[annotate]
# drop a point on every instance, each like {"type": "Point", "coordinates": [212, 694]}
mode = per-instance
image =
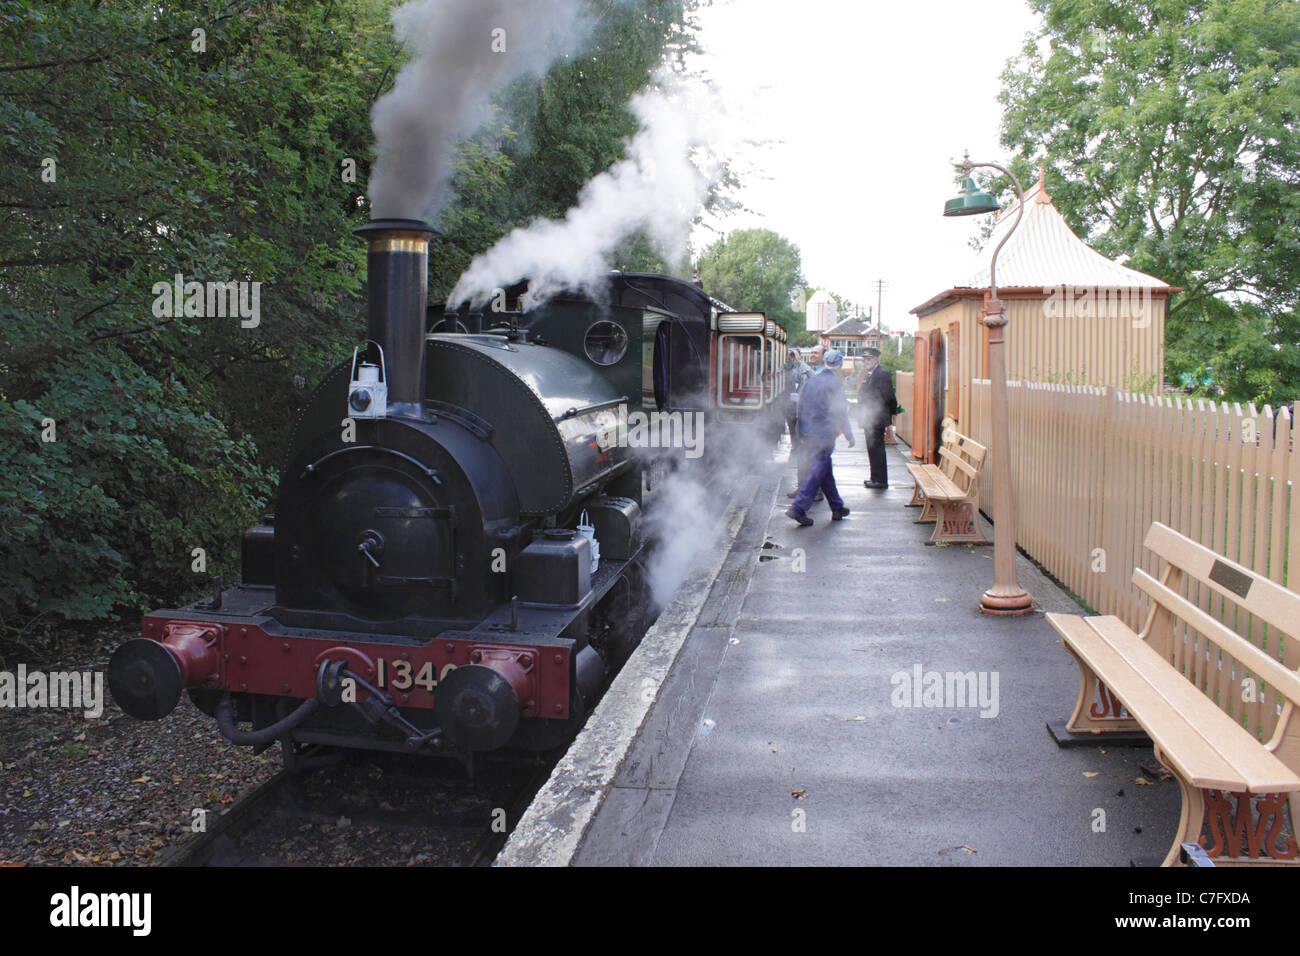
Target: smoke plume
{"type": "Point", "coordinates": [658, 187]}
{"type": "Point", "coordinates": [465, 50]}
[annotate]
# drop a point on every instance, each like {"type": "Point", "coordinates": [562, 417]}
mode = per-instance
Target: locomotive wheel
{"type": "Point", "coordinates": [621, 617]}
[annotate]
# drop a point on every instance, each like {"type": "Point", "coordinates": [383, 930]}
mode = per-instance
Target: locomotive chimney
{"type": "Point", "coordinates": [397, 279]}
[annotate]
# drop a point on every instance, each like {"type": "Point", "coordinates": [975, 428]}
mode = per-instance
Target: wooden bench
{"type": "Point", "coordinates": [916, 469]}
{"type": "Point", "coordinates": [1221, 710]}
{"type": "Point", "coordinates": [949, 492]}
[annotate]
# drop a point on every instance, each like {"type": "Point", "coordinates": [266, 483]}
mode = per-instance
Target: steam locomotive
{"type": "Point", "coordinates": [455, 562]}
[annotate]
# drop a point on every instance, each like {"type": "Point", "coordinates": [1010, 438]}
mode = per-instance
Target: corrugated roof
{"type": "Point", "coordinates": [1044, 252]}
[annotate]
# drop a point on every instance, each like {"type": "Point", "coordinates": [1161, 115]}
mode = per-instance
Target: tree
{"type": "Point", "coordinates": [140, 143]}
{"type": "Point", "coordinates": [549, 138]}
{"type": "Point", "coordinates": [756, 270]}
{"type": "Point", "coordinates": [222, 140]}
{"type": "Point", "coordinates": [1173, 131]}
{"type": "Point", "coordinates": [895, 359]}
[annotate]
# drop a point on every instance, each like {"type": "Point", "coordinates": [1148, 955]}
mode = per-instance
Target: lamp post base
{"type": "Point", "coordinates": [1005, 602]}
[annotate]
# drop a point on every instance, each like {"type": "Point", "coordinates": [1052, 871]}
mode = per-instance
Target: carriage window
{"type": "Point", "coordinates": [739, 371]}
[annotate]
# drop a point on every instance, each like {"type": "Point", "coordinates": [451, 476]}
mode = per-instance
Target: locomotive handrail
{"type": "Point", "coordinates": [383, 363]}
{"type": "Point", "coordinates": [481, 428]}
{"type": "Point", "coordinates": [429, 472]}
{"type": "Point", "coordinates": [575, 411]}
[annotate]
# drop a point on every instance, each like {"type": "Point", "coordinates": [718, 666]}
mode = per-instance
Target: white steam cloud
{"type": "Point", "coordinates": [465, 50]}
{"type": "Point", "coordinates": [685, 510]}
{"type": "Point", "coordinates": [658, 187]}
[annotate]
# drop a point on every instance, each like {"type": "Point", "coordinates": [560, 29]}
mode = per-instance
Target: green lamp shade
{"type": "Point", "coordinates": [971, 202]}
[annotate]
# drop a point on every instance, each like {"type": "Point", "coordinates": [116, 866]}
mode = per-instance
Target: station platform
{"type": "Point", "coordinates": [774, 717]}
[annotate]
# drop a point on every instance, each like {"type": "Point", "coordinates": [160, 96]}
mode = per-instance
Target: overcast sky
{"type": "Point", "coordinates": [865, 105]}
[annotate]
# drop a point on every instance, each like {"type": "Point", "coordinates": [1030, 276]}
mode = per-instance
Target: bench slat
{"type": "Point", "coordinates": [1271, 670]}
{"type": "Point", "coordinates": [973, 448]}
{"type": "Point", "coordinates": [1266, 599]}
{"type": "Point", "coordinates": [960, 463]}
{"type": "Point", "coordinates": [947, 491]}
{"type": "Point", "coordinates": [932, 480]}
{"type": "Point", "coordinates": [1194, 758]}
{"type": "Point", "coordinates": [1255, 767]}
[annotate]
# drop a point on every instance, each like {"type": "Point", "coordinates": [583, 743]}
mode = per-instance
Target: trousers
{"type": "Point", "coordinates": [875, 442]}
{"type": "Point", "coordinates": [819, 476]}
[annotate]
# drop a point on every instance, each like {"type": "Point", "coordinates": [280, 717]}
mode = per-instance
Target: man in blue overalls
{"type": "Point", "coordinates": [823, 415]}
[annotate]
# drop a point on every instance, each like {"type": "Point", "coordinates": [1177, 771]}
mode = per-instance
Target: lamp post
{"type": "Point", "coordinates": [1006, 596]}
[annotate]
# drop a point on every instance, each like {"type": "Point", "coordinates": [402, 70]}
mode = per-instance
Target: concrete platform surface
{"type": "Point", "coordinates": [839, 700]}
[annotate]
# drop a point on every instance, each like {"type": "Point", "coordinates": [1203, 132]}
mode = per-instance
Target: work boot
{"type": "Point", "coordinates": [837, 514]}
{"type": "Point", "coordinates": [799, 516]}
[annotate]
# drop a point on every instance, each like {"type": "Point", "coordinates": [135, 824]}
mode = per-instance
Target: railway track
{"type": "Point", "coordinates": [383, 810]}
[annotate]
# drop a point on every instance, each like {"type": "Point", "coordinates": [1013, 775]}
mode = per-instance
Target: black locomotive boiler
{"type": "Point", "coordinates": [455, 559]}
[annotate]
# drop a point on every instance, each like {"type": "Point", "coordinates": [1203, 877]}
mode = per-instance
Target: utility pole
{"type": "Point", "coordinates": [880, 288]}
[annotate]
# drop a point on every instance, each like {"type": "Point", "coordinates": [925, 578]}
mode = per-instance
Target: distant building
{"type": "Point", "coordinates": [850, 337]}
{"type": "Point", "coordinates": [822, 311]}
{"type": "Point", "coordinates": [1074, 317]}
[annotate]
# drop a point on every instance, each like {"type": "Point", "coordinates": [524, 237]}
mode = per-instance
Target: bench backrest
{"type": "Point", "coordinates": [950, 436]}
{"type": "Point", "coordinates": [961, 460]}
{"type": "Point", "coordinates": [1254, 680]}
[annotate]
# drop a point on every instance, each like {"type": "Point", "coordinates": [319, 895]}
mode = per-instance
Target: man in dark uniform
{"type": "Point", "coordinates": [823, 415]}
{"type": "Point", "coordinates": [876, 404]}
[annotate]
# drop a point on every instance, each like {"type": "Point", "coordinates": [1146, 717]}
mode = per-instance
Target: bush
{"type": "Point", "coordinates": [104, 517]}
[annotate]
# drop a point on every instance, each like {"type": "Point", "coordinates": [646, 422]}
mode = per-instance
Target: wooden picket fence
{"type": "Point", "coordinates": [1093, 467]}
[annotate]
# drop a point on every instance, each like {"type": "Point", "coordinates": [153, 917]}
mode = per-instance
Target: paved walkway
{"type": "Point", "coordinates": [788, 732]}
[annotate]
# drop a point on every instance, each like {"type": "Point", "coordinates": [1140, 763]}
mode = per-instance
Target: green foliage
{"type": "Point", "coordinates": [135, 150]}
{"type": "Point", "coordinates": [572, 125]}
{"type": "Point", "coordinates": [548, 139]}
{"type": "Point", "coordinates": [898, 361]}
{"type": "Point", "coordinates": [756, 270]}
{"type": "Point", "coordinates": [1172, 129]}
{"type": "Point", "coordinates": [219, 160]}
{"type": "Point", "coordinates": [136, 476]}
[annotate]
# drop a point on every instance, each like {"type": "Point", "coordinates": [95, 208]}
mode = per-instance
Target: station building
{"type": "Point", "coordinates": [851, 336]}
{"type": "Point", "coordinates": [1074, 317]}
